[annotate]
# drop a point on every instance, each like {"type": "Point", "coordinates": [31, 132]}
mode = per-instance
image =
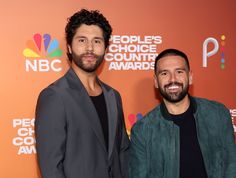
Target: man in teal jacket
{"type": "Point", "coordinates": [184, 136]}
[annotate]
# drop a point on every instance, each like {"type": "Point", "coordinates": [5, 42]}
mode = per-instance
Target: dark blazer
{"type": "Point", "coordinates": [69, 137]}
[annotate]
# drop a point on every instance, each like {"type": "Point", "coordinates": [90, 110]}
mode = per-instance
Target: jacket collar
{"type": "Point", "coordinates": [86, 104]}
{"type": "Point", "coordinates": [167, 115]}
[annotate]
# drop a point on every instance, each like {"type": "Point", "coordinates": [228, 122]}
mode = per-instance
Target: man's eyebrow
{"type": "Point", "coordinates": [181, 68]}
{"type": "Point", "coordinates": [100, 38]}
{"type": "Point", "coordinates": [163, 70]}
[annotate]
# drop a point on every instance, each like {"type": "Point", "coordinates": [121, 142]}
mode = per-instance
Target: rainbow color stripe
{"type": "Point", "coordinates": [222, 60]}
{"type": "Point", "coordinates": [34, 47]}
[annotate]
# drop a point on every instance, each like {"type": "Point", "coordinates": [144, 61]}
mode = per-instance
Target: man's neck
{"type": "Point", "coordinates": [179, 107]}
{"type": "Point", "coordinates": [89, 80]}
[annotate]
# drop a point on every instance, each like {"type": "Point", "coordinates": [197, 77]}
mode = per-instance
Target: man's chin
{"type": "Point", "coordinates": [173, 97]}
{"type": "Point", "coordinates": [89, 70]}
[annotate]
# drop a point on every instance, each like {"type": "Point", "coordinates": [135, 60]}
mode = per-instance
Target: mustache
{"type": "Point", "coordinates": [173, 83]}
{"type": "Point", "coordinates": [89, 54]}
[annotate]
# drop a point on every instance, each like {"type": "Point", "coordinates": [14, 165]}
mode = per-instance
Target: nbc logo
{"type": "Point", "coordinates": [217, 45]}
{"type": "Point", "coordinates": [37, 52]}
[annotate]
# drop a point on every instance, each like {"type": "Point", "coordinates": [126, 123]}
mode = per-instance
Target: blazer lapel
{"type": "Point", "coordinates": [112, 116]}
{"type": "Point", "coordinates": [84, 101]}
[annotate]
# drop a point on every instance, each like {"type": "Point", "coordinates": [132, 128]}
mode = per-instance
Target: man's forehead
{"type": "Point", "coordinates": [171, 59]}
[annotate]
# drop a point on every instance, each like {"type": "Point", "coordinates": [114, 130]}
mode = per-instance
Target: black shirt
{"type": "Point", "coordinates": [191, 160]}
{"type": "Point", "coordinates": [100, 105]}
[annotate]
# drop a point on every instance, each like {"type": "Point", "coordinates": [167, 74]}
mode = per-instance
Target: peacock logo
{"type": "Point", "coordinates": [34, 48]}
{"type": "Point", "coordinates": [42, 53]}
{"type": "Point", "coordinates": [134, 118]}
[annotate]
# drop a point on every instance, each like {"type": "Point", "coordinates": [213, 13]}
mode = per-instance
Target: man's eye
{"type": "Point", "coordinates": [81, 40]}
{"type": "Point", "coordinates": [180, 71]}
{"type": "Point", "coordinates": [98, 41]}
{"type": "Point", "coordinates": [163, 73]}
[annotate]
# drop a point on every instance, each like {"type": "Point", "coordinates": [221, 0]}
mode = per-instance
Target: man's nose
{"type": "Point", "coordinates": [89, 46]}
{"type": "Point", "coordinates": [173, 77]}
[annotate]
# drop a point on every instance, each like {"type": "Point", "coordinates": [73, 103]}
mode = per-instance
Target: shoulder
{"type": "Point", "coordinates": [149, 120]}
{"type": "Point", "coordinates": [205, 104]}
{"type": "Point", "coordinates": [60, 83]}
{"type": "Point", "coordinates": [141, 131]}
{"type": "Point", "coordinates": [212, 112]}
{"type": "Point", "coordinates": [57, 85]}
{"type": "Point", "coordinates": [108, 88]}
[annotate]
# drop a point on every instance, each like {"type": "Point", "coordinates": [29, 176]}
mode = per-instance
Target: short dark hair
{"type": "Point", "coordinates": [171, 52]}
{"type": "Point", "coordinates": [93, 17]}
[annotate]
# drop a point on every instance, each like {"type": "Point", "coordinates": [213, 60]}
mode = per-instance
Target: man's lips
{"type": "Point", "coordinates": [89, 57]}
{"type": "Point", "coordinates": [173, 87]}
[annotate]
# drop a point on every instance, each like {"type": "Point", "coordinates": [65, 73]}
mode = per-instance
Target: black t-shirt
{"type": "Point", "coordinates": [191, 160]}
{"type": "Point", "coordinates": [100, 105]}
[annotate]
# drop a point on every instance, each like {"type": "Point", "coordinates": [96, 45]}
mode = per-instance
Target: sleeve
{"type": "Point", "coordinates": [229, 146]}
{"type": "Point", "coordinates": [138, 164]}
{"type": "Point", "coordinates": [124, 141]}
{"type": "Point", "coordinates": [50, 133]}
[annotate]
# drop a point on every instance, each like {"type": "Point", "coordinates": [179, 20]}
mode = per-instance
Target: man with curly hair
{"type": "Point", "coordinates": [80, 130]}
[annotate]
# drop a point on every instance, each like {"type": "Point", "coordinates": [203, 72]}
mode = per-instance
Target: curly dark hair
{"type": "Point", "coordinates": [93, 17]}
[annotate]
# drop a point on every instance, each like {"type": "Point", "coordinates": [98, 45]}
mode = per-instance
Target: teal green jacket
{"type": "Point", "coordinates": [155, 144]}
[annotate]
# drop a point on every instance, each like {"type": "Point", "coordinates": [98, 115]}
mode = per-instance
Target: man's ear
{"type": "Point", "coordinates": [155, 81]}
{"type": "Point", "coordinates": [69, 49]}
{"type": "Point", "coordinates": [106, 50]}
{"type": "Point", "coordinates": [190, 77]}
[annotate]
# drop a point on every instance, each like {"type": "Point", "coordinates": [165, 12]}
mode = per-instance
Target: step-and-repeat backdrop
{"type": "Point", "coordinates": [33, 54]}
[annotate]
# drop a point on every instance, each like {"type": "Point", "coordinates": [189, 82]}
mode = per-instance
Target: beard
{"type": "Point", "coordinates": [78, 60]}
{"type": "Point", "coordinates": [174, 97]}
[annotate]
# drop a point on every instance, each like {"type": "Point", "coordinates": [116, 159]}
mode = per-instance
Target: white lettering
{"type": "Point", "coordinates": [26, 150]}
{"type": "Point", "coordinates": [132, 52]}
{"type": "Point", "coordinates": [29, 65]}
{"type": "Point", "coordinates": [25, 132]}
{"type": "Point", "coordinates": [53, 67]}
{"type": "Point", "coordinates": [131, 66]}
{"type": "Point", "coordinates": [42, 65]}
{"type": "Point", "coordinates": [18, 141]}
{"type": "Point", "coordinates": [206, 53]}
{"type": "Point", "coordinates": [26, 122]}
